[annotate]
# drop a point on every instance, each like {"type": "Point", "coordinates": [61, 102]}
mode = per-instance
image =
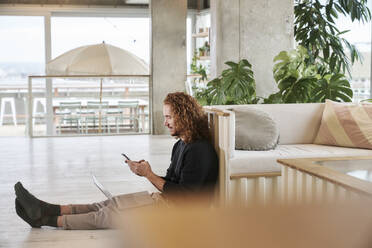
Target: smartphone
{"type": "Point", "coordinates": [125, 156]}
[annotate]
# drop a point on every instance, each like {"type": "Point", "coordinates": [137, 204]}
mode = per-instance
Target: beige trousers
{"type": "Point", "coordinates": [99, 215]}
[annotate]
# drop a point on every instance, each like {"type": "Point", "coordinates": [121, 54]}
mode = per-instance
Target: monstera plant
{"type": "Point", "coordinates": [299, 82]}
{"type": "Point", "coordinates": [334, 87]}
{"type": "Point", "coordinates": [236, 85]}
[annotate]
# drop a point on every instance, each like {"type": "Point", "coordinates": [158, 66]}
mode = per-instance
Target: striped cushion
{"type": "Point", "coordinates": [347, 125]}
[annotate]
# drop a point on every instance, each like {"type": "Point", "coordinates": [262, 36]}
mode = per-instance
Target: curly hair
{"type": "Point", "coordinates": [189, 117]}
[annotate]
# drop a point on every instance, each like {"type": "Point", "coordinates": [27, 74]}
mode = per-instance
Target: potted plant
{"type": "Point", "coordinates": [207, 48]}
{"type": "Point", "coordinates": [236, 85]}
{"type": "Point", "coordinates": [198, 69]}
{"type": "Point", "coordinates": [299, 82]}
{"type": "Point", "coordinates": [202, 51]}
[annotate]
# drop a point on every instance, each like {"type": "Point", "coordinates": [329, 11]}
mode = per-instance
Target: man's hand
{"type": "Point", "coordinates": [141, 168]}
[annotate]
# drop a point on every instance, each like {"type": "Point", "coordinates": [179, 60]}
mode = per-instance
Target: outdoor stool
{"type": "Point", "coordinates": [11, 101]}
{"type": "Point", "coordinates": [35, 113]}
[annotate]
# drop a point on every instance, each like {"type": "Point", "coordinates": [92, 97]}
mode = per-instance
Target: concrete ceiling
{"type": "Point", "coordinates": [192, 4]}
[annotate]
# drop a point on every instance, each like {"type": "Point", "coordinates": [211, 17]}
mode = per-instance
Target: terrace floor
{"type": "Point", "coordinates": [40, 130]}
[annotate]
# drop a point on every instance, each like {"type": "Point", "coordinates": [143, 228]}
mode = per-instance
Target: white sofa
{"type": "Point", "coordinates": [248, 176]}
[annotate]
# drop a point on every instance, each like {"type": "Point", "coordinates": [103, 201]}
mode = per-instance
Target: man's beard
{"type": "Point", "coordinates": [176, 132]}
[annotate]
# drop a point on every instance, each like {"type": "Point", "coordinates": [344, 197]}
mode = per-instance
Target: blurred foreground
{"type": "Point", "coordinates": [347, 224]}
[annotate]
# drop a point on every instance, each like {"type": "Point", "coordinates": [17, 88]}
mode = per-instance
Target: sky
{"type": "Point", "coordinates": [131, 34]}
{"type": "Point", "coordinates": [22, 38]}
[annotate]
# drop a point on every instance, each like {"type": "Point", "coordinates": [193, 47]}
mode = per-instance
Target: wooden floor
{"type": "Point", "coordinates": [58, 170]}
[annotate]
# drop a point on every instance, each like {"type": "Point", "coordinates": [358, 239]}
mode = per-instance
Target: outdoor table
{"type": "Point", "coordinates": [112, 102]}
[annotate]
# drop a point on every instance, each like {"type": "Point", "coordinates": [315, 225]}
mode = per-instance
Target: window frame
{"type": "Point", "coordinates": [72, 11]}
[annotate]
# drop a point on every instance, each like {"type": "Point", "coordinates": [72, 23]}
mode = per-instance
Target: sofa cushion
{"type": "Point", "coordinates": [304, 119]}
{"type": "Point", "coordinates": [255, 130]}
{"type": "Point", "coordinates": [348, 125]}
{"type": "Point", "coordinates": [265, 161]}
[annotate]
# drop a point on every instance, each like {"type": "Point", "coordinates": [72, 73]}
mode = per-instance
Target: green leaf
{"type": "Point", "coordinates": [283, 55]}
{"type": "Point", "coordinates": [334, 87]}
{"type": "Point", "coordinates": [231, 64]}
{"type": "Point", "coordinates": [274, 98]}
{"type": "Point", "coordinates": [326, 52]}
{"type": "Point", "coordinates": [245, 63]}
{"type": "Point", "coordinates": [236, 85]}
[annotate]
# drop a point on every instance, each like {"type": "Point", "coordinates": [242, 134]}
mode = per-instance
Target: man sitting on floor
{"type": "Point", "coordinates": [193, 171]}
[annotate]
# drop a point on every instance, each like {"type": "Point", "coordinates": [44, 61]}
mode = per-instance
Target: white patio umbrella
{"type": "Point", "coordinates": [98, 60]}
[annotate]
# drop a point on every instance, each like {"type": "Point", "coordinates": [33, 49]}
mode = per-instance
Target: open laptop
{"type": "Point", "coordinates": [132, 200]}
{"type": "Point", "coordinates": [103, 190]}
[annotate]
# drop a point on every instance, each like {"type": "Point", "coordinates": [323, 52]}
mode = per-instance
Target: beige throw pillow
{"type": "Point", "coordinates": [254, 130]}
{"type": "Point", "coordinates": [348, 125]}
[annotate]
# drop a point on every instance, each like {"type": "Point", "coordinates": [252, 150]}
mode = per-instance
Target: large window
{"type": "Point", "coordinates": [360, 36]}
{"type": "Point", "coordinates": [22, 53]}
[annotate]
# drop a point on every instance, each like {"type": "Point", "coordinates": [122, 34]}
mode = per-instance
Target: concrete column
{"type": "Point", "coordinates": [48, 81]}
{"type": "Point", "coordinates": [251, 29]}
{"type": "Point", "coordinates": [168, 50]}
{"type": "Point", "coordinates": [224, 34]}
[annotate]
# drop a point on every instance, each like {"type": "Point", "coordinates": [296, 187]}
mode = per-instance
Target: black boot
{"type": "Point", "coordinates": [44, 221]}
{"type": "Point", "coordinates": [34, 207]}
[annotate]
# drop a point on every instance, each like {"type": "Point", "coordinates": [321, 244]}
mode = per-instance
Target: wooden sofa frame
{"type": "Point", "coordinates": [243, 188]}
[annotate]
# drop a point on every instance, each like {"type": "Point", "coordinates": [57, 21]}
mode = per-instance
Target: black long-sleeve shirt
{"type": "Point", "coordinates": [193, 168]}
